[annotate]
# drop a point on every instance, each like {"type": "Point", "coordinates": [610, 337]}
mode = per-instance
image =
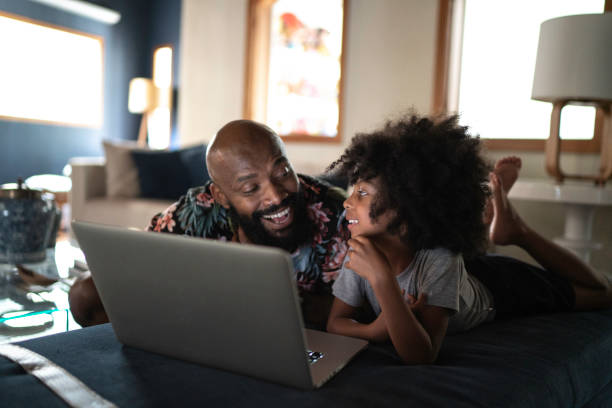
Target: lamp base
{"type": "Point", "coordinates": [143, 131]}
{"type": "Point", "coordinates": [553, 147]}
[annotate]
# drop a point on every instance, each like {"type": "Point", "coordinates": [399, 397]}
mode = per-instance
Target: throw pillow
{"type": "Point", "coordinates": [121, 172]}
{"type": "Point", "coordinates": [167, 174]}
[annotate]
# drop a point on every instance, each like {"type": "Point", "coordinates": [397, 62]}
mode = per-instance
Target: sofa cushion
{"type": "Point", "coordinates": [166, 174]}
{"type": "Point", "coordinates": [122, 212]}
{"type": "Point", "coordinates": [121, 172]}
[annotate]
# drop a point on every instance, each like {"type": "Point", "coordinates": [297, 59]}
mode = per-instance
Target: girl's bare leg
{"type": "Point", "coordinates": [508, 228]}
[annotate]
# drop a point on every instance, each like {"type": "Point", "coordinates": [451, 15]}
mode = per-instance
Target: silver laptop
{"type": "Point", "coordinates": [224, 305]}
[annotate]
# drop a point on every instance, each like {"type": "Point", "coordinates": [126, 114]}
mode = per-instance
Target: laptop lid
{"type": "Point", "coordinates": [224, 305]}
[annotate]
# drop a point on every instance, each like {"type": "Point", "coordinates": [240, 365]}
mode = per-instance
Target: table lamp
{"type": "Point", "coordinates": [574, 66]}
{"type": "Point", "coordinates": [141, 99]}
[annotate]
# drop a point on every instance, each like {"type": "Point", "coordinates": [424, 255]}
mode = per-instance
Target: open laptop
{"type": "Point", "coordinates": [223, 305]}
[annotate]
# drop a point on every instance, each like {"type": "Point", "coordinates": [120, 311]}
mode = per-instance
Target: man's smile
{"type": "Point", "coordinates": [279, 219]}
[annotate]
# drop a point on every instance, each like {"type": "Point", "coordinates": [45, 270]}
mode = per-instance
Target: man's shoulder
{"type": "Point", "coordinates": [320, 259]}
{"type": "Point", "coordinates": [196, 213]}
{"type": "Point", "coordinates": [325, 204]}
{"type": "Point", "coordinates": [317, 189]}
{"type": "Point", "coordinates": [199, 194]}
{"type": "Point", "coordinates": [199, 197]}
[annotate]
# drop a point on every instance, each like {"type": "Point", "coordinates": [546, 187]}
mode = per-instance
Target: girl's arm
{"type": "Point", "coordinates": [416, 341]}
{"type": "Point", "coordinates": [341, 321]}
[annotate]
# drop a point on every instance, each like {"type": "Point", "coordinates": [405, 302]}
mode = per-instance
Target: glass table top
{"type": "Point", "coordinates": [34, 297]}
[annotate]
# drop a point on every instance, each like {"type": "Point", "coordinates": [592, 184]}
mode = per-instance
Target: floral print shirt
{"type": "Point", "coordinates": [316, 263]}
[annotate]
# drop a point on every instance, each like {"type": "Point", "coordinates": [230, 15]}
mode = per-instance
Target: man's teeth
{"type": "Point", "coordinates": [353, 221]}
{"type": "Point", "coordinates": [277, 215]}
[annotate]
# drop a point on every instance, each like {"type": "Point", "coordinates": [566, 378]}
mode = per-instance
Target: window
{"type": "Point", "coordinates": [486, 60]}
{"type": "Point", "coordinates": [294, 67]}
{"type": "Point", "coordinates": [49, 74]}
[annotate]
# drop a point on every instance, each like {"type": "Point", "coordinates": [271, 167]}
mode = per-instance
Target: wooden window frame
{"type": "Point", "coordinates": [441, 88]}
{"type": "Point", "coordinates": [256, 74]}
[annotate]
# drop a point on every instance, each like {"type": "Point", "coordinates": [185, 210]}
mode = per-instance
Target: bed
{"type": "Point", "coordinates": [555, 360]}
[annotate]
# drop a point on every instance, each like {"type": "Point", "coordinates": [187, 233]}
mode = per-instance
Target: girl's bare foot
{"type": "Point", "coordinates": [507, 169]}
{"type": "Point", "coordinates": [487, 214]}
{"type": "Point", "coordinates": [506, 228]}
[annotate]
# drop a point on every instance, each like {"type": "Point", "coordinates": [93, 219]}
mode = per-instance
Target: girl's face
{"type": "Point", "coordinates": [358, 206]}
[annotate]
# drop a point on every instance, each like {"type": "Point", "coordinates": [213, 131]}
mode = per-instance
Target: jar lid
{"type": "Point", "coordinates": [19, 190]}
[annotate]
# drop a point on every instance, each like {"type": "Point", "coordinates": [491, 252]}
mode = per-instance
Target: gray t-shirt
{"type": "Point", "coordinates": [438, 273]}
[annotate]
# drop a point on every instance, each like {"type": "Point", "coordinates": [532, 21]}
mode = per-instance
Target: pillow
{"type": "Point", "coordinates": [121, 172]}
{"type": "Point", "coordinates": [169, 174]}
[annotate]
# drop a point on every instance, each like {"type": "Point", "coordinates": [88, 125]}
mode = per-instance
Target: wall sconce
{"type": "Point", "coordinates": [574, 66]}
{"type": "Point", "coordinates": [153, 99]}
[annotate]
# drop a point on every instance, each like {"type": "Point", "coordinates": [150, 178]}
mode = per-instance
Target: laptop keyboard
{"type": "Point", "coordinates": [313, 356]}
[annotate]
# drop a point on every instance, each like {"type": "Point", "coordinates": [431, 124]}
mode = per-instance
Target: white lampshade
{"type": "Point", "coordinates": [574, 61]}
{"type": "Point", "coordinates": [141, 96]}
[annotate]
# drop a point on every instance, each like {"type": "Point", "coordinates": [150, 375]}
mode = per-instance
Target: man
{"type": "Point", "coordinates": [254, 197]}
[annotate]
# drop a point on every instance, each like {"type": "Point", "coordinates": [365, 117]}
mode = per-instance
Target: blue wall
{"type": "Point", "coordinates": [29, 148]}
{"type": "Point", "coordinates": [165, 20]}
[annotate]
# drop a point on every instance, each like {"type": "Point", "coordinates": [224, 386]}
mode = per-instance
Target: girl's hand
{"type": "Point", "coordinates": [366, 260]}
{"type": "Point", "coordinates": [415, 304]}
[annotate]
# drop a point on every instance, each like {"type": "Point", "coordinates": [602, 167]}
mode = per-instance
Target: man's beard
{"type": "Point", "coordinates": [300, 230]}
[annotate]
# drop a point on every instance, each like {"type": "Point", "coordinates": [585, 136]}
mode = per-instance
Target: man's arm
{"type": "Point", "coordinates": [85, 304]}
{"type": "Point", "coordinates": [83, 298]}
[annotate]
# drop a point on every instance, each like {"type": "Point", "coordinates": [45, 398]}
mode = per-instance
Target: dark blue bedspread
{"type": "Point", "coordinates": [561, 360]}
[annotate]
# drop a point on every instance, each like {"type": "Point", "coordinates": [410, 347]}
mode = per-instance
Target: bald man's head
{"type": "Point", "coordinates": [253, 179]}
{"type": "Point", "coordinates": [240, 139]}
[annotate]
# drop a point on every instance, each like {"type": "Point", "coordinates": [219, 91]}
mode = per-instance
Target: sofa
{"type": "Point", "coordinates": [132, 182]}
{"type": "Point", "coordinates": [89, 200]}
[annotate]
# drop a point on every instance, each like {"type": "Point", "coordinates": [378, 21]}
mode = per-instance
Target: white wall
{"type": "Point", "coordinates": [213, 41]}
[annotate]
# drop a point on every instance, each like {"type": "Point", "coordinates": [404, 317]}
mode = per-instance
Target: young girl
{"type": "Point", "coordinates": [420, 190]}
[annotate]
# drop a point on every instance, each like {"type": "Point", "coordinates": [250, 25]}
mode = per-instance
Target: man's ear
{"type": "Point", "coordinates": [218, 195]}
